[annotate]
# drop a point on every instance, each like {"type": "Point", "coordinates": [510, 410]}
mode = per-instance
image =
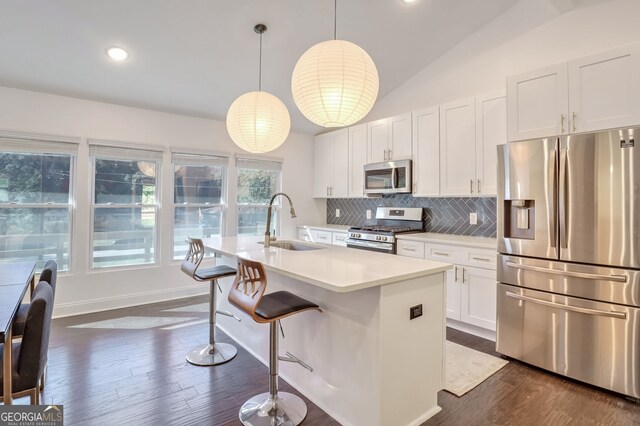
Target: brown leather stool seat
{"type": "Point", "coordinates": [281, 304]}
{"type": "Point", "coordinates": [214, 273]}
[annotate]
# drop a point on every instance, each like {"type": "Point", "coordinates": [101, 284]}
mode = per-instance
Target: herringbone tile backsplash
{"type": "Point", "coordinates": [444, 215]}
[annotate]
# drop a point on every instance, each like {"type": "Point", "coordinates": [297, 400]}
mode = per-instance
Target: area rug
{"type": "Point", "coordinates": [466, 368]}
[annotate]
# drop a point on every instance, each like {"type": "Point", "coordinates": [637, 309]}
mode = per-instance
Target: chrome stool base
{"type": "Point", "coordinates": [287, 410]}
{"type": "Point", "coordinates": [212, 354]}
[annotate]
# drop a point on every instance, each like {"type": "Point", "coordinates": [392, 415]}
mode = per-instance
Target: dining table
{"type": "Point", "coordinates": [15, 279]}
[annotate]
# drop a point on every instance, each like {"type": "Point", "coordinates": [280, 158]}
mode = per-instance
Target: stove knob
{"type": "Point", "coordinates": [384, 238]}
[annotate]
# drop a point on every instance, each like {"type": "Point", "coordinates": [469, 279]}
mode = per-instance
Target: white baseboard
{"type": "Point", "coordinates": [472, 329]}
{"type": "Point", "coordinates": [97, 305]}
{"type": "Point", "coordinates": [426, 416]}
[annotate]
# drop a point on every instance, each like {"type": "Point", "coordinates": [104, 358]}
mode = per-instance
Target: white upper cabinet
{"type": "Point", "coordinates": [331, 164]}
{"type": "Point", "coordinates": [426, 152]}
{"type": "Point", "coordinates": [389, 139]}
{"type": "Point", "coordinates": [593, 93]}
{"type": "Point", "coordinates": [457, 148]}
{"type": "Point", "coordinates": [357, 159]}
{"type": "Point", "coordinates": [604, 90]}
{"type": "Point", "coordinates": [537, 103]}
{"type": "Point", "coordinates": [491, 131]}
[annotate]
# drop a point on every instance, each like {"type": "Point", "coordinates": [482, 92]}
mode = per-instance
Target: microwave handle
{"type": "Point", "coordinates": [394, 177]}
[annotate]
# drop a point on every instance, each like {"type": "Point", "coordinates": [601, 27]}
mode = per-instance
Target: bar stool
{"type": "Point", "coordinates": [213, 353]}
{"type": "Point", "coordinates": [247, 294]}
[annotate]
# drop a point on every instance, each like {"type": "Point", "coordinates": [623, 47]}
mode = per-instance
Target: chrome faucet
{"type": "Point", "coordinates": [267, 234]}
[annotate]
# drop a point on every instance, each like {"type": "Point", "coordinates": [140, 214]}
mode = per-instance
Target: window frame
{"type": "Point", "coordinates": [224, 205]}
{"type": "Point", "coordinates": [144, 151]}
{"type": "Point", "coordinates": [53, 146]}
{"type": "Point", "coordinates": [268, 164]}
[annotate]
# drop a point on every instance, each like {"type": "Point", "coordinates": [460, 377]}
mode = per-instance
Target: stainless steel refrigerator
{"type": "Point", "coordinates": [569, 262]}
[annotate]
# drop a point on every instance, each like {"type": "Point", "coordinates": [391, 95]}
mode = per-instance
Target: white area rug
{"type": "Point", "coordinates": [466, 368]}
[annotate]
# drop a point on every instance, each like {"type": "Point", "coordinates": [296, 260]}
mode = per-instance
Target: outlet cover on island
{"type": "Point", "coordinates": [368, 214]}
{"type": "Point", "coordinates": [337, 212]}
{"type": "Point", "coordinates": [473, 218]}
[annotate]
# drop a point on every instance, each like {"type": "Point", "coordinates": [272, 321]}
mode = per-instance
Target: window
{"type": "Point", "coordinates": [258, 180]}
{"type": "Point", "coordinates": [199, 198]}
{"type": "Point", "coordinates": [36, 201]}
{"type": "Point", "coordinates": [124, 205]}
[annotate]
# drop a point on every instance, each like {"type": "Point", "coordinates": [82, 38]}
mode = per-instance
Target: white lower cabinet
{"type": "Point", "coordinates": [339, 238]}
{"type": "Point", "coordinates": [471, 284]}
{"type": "Point", "coordinates": [323, 236]}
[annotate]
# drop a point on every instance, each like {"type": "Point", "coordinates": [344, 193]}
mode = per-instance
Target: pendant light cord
{"type": "Point", "coordinates": [335, 18]}
{"type": "Point", "coordinates": [260, 67]}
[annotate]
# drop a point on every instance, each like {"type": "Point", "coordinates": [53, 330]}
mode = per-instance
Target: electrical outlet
{"type": "Point", "coordinates": [473, 218]}
{"type": "Point", "coordinates": [368, 214]}
{"type": "Point", "coordinates": [415, 312]}
{"type": "Point", "coordinates": [337, 212]}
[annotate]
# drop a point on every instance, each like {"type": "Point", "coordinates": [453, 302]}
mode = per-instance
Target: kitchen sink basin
{"type": "Point", "coordinates": [293, 245]}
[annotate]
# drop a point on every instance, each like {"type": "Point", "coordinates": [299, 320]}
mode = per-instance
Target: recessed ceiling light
{"type": "Point", "coordinates": [408, 1]}
{"type": "Point", "coordinates": [117, 53]}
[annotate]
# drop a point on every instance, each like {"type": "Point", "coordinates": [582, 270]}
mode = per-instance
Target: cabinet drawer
{"type": "Point", "coordinates": [441, 253]}
{"type": "Point", "coordinates": [481, 258]}
{"type": "Point", "coordinates": [339, 238]}
{"type": "Point", "coordinates": [411, 249]}
{"type": "Point", "coordinates": [321, 237]}
{"type": "Point", "coordinates": [304, 234]}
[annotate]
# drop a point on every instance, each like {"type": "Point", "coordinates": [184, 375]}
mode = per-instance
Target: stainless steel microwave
{"type": "Point", "coordinates": [390, 177]}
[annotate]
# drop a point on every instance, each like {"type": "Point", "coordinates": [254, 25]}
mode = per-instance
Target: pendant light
{"type": "Point", "coordinates": [258, 122]}
{"type": "Point", "coordinates": [335, 83]}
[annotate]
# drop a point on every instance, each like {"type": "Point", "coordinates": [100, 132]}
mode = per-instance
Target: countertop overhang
{"type": "Point", "coordinates": [334, 268]}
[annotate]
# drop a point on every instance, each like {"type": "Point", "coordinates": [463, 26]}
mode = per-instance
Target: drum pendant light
{"type": "Point", "coordinates": [335, 83]}
{"type": "Point", "coordinates": [258, 122]}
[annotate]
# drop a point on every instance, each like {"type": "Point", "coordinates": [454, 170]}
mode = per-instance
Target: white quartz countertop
{"type": "Point", "coordinates": [326, 227]}
{"type": "Point", "coordinates": [462, 240]}
{"type": "Point", "coordinates": [332, 267]}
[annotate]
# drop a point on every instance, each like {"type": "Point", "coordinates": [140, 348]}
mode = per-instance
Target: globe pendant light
{"type": "Point", "coordinates": [258, 122]}
{"type": "Point", "coordinates": [335, 83]}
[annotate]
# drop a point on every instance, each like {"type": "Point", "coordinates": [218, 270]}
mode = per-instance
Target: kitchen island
{"type": "Point", "coordinates": [372, 364]}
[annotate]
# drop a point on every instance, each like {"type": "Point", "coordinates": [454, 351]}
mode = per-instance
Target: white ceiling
{"type": "Point", "coordinates": [195, 57]}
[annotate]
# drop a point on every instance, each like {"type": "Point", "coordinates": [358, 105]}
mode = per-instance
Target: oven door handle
{"type": "Point", "coordinates": [616, 278]}
{"type": "Point", "coordinates": [370, 244]}
{"type": "Point", "coordinates": [611, 314]}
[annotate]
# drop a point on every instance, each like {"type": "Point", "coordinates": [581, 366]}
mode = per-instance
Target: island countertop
{"type": "Point", "coordinates": [334, 268]}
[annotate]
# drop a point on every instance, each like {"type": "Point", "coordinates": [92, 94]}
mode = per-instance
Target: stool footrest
{"type": "Point", "coordinates": [289, 357]}
{"type": "Point", "coordinates": [228, 314]}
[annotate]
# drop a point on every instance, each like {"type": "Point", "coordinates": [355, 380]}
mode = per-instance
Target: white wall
{"type": "Point", "coordinates": [530, 35]}
{"type": "Point", "coordinates": [82, 290]}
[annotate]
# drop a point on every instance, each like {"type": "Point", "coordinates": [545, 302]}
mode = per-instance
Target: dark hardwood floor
{"type": "Point", "coordinates": [128, 367]}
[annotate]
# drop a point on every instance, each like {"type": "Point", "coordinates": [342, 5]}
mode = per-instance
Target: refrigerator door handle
{"type": "Point", "coordinates": [553, 217]}
{"type": "Point", "coordinates": [616, 278]}
{"type": "Point", "coordinates": [562, 199]}
{"type": "Point", "coordinates": [612, 314]}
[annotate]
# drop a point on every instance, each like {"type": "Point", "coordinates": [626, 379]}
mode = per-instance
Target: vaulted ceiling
{"type": "Point", "coordinates": [195, 57]}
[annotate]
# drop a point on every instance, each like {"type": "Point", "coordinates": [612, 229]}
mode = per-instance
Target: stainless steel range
{"type": "Point", "coordinates": [390, 221]}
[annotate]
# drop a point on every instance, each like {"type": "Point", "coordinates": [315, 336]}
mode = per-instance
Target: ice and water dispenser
{"type": "Point", "coordinates": [520, 219]}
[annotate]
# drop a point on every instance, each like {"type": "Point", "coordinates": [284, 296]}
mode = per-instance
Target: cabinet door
{"type": "Point", "coordinates": [453, 293]}
{"type": "Point", "coordinates": [410, 248]}
{"type": "Point", "coordinates": [377, 140]}
{"type": "Point", "coordinates": [457, 147]}
{"type": "Point", "coordinates": [340, 158]}
{"type": "Point", "coordinates": [537, 103]}
{"type": "Point", "coordinates": [426, 152]}
{"type": "Point", "coordinates": [604, 90]}
{"type": "Point", "coordinates": [318, 236]}
{"type": "Point", "coordinates": [478, 301]}
{"type": "Point", "coordinates": [357, 159]}
{"type": "Point", "coordinates": [322, 167]}
{"type": "Point", "coordinates": [491, 131]}
{"type": "Point", "coordinates": [399, 144]}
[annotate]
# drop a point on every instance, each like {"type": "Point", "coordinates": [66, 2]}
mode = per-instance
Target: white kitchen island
{"type": "Point", "coordinates": [372, 364]}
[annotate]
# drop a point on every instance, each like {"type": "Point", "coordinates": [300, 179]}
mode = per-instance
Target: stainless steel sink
{"type": "Point", "coordinates": [293, 245]}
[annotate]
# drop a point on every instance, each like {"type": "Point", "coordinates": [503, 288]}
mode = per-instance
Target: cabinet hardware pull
{"type": "Point", "coordinates": [385, 154]}
{"type": "Point", "coordinates": [484, 259]}
{"type": "Point", "coordinates": [390, 155]}
{"type": "Point", "coordinates": [439, 253]}
{"type": "Point", "coordinates": [455, 278]}
{"type": "Point", "coordinates": [463, 276]}
{"type": "Point", "coordinates": [408, 249]}
{"type": "Point", "coordinates": [561, 123]}
{"type": "Point", "coordinates": [471, 185]}
{"type": "Point", "coordinates": [574, 121]}
{"type": "Point", "coordinates": [478, 186]}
